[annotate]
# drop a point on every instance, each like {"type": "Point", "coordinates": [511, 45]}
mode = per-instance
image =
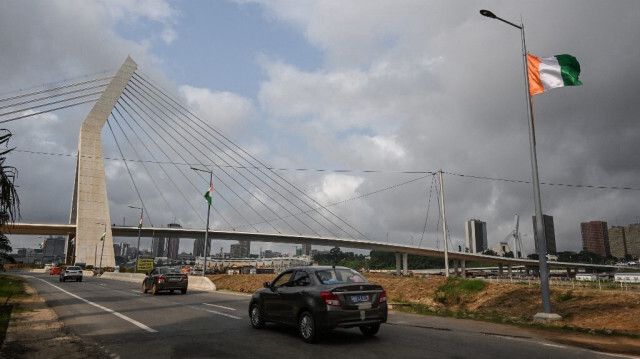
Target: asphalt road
{"type": "Point", "coordinates": [129, 324]}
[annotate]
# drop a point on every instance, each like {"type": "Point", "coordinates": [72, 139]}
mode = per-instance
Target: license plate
{"type": "Point", "coordinates": [173, 279]}
{"type": "Point", "coordinates": [359, 298]}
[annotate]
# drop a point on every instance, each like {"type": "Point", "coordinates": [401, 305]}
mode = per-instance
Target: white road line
{"type": "Point", "coordinates": [219, 306]}
{"type": "Point", "coordinates": [214, 312]}
{"type": "Point", "coordinates": [121, 316]}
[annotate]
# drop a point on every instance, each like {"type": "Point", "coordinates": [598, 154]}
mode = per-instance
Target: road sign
{"type": "Point", "coordinates": [145, 265]}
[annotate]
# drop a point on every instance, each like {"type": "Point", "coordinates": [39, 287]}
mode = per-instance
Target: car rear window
{"type": "Point", "coordinates": [73, 268]}
{"type": "Point", "coordinates": [170, 270]}
{"type": "Point", "coordinates": [340, 275]}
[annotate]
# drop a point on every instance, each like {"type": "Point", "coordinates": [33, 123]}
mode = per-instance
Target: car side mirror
{"type": "Point", "coordinates": [267, 285]}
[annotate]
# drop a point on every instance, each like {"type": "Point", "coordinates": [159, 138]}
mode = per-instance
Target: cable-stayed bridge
{"type": "Point", "coordinates": [159, 141]}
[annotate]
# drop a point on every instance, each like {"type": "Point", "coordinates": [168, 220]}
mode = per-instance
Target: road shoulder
{"type": "Point", "coordinates": [36, 332]}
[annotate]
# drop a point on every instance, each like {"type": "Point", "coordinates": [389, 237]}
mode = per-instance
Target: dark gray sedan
{"type": "Point", "coordinates": [320, 298]}
{"type": "Point", "coordinates": [165, 278]}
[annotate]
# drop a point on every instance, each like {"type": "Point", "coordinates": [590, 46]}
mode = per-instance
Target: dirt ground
{"type": "Point", "coordinates": [588, 315]}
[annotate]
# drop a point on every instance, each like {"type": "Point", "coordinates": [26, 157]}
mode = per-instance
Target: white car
{"type": "Point", "coordinates": [71, 272]}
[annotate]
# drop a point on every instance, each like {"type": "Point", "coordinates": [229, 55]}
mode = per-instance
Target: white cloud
{"type": "Point", "coordinates": [223, 110]}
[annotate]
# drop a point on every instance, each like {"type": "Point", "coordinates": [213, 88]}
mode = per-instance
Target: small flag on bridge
{"type": "Point", "coordinates": [42, 244]}
{"type": "Point", "coordinates": [209, 194]}
{"type": "Point", "coordinates": [140, 225]}
{"type": "Point", "coordinates": [103, 235]}
{"type": "Point", "coordinates": [73, 241]}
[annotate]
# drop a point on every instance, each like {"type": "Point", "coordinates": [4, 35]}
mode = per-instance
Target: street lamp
{"type": "Point", "coordinates": [206, 232]}
{"type": "Point", "coordinates": [135, 267]}
{"type": "Point", "coordinates": [541, 240]}
{"type": "Point", "coordinates": [102, 251]}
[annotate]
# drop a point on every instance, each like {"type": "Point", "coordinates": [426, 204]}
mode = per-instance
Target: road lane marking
{"type": "Point", "coordinates": [219, 306]}
{"type": "Point", "coordinates": [213, 312]}
{"type": "Point", "coordinates": [111, 311]}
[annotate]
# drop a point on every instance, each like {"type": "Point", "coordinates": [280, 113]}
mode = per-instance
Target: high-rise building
{"type": "Point", "coordinates": [617, 242]}
{"type": "Point", "coordinates": [595, 237]}
{"type": "Point", "coordinates": [240, 250]}
{"type": "Point", "coordinates": [306, 249]}
{"type": "Point", "coordinates": [632, 235]}
{"type": "Point", "coordinates": [158, 247]}
{"type": "Point", "coordinates": [173, 243]}
{"type": "Point", "coordinates": [549, 234]}
{"type": "Point", "coordinates": [198, 247]}
{"type": "Point", "coordinates": [476, 233]}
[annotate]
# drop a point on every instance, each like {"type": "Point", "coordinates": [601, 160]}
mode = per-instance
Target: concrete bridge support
{"type": "Point", "coordinates": [402, 263]}
{"type": "Point", "coordinates": [456, 267]}
{"type": "Point", "coordinates": [463, 268]}
{"type": "Point", "coordinates": [90, 204]}
{"type": "Point", "coordinates": [509, 271]}
{"type": "Point", "coordinates": [500, 270]}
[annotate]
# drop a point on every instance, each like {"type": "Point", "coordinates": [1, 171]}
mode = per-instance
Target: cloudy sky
{"type": "Point", "coordinates": [393, 87]}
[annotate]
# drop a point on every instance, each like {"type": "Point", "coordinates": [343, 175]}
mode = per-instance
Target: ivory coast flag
{"type": "Point", "coordinates": [209, 194]}
{"type": "Point", "coordinates": [551, 72]}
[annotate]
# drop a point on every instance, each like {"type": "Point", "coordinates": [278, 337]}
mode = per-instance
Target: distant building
{"type": "Point", "coordinates": [549, 234]}
{"type": "Point", "coordinates": [198, 247]}
{"type": "Point", "coordinates": [158, 248]}
{"type": "Point", "coordinates": [240, 250]}
{"type": "Point", "coordinates": [475, 232]}
{"type": "Point", "coordinates": [617, 242]}
{"type": "Point", "coordinates": [271, 254]}
{"type": "Point", "coordinates": [306, 249]}
{"type": "Point", "coordinates": [501, 248]}
{"type": "Point", "coordinates": [632, 235]}
{"type": "Point", "coordinates": [173, 244]}
{"type": "Point", "coordinates": [595, 237]}
{"type": "Point", "coordinates": [54, 249]}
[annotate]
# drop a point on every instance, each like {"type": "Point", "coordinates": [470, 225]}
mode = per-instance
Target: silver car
{"type": "Point", "coordinates": [71, 272]}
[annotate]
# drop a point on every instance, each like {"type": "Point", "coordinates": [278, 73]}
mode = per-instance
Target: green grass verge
{"type": "Point", "coordinates": [11, 290]}
{"type": "Point", "coordinates": [457, 291]}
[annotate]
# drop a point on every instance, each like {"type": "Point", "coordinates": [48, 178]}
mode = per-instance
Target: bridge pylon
{"type": "Point", "coordinates": [90, 204]}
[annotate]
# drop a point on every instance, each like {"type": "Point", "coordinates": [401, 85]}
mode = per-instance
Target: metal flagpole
{"type": "Point", "coordinates": [206, 232]}
{"type": "Point", "coordinates": [444, 228]}
{"type": "Point", "coordinates": [541, 240]}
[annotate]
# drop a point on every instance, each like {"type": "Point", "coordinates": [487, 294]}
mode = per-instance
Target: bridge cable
{"type": "Point", "coordinates": [162, 168]}
{"type": "Point", "coordinates": [178, 153]}
{"type": "Point", "coordinates": [55, 88]}
{"type": "Point", "coordinates": [55, 95]}
{"type": "Point", "coordinates": [218, 132]}
{"type": "Point", "coordinates": [246, 178]}
{"type": "Point", "coordinates": [176, 167]}
{"type": "Point", "coordinates": [128, 170]}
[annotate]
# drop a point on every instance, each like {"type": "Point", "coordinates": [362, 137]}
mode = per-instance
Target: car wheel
{"type": "Point", "coordinates": [154, 289]}
{"type": "Point", "coordinates": [257, 320]}
{"type": "Point", "coordinates": [370, 330]}
{"type": "Point", "coordinates": [144, 288]}
{"type": "Point", "coordinates": [307, 327]}
{"type": "Point", "coordinates": [183, 291]}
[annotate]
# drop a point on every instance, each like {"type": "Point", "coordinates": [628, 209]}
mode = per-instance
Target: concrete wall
{"type": "Point", "coordinates": [195, 282]}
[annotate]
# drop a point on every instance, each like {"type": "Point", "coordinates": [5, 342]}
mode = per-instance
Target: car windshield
{"type": "Point", "coordinates": [340, 275]}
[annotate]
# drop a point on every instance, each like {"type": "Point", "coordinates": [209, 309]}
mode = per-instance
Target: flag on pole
{"type": "Point", "coordinates": [42, 244]}
{"type": "Point", "coordinates": [552, 72]}
{"type": "Point", "coordinates": [73, 241]}
{"type": "Point", "coordinates": [209, 195]}
{"type": "Point", "coordinates": [102, 236]}
{"type": "Point", "coordinates": [140, 225]}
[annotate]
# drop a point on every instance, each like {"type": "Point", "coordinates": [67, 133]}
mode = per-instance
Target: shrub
{"type": "Point", "coordinates": [457, 291]}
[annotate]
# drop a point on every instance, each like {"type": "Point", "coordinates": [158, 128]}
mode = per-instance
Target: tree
{"type": "Point", "coordinates": [9, 201]}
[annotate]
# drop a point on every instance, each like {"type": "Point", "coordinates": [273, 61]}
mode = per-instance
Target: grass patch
{"type": "Point", "coordinates": [457, 291]}
{"type": "Point", "coordinates": [11, 289]}
{"type": "Point", "coordinates": [563, 297]}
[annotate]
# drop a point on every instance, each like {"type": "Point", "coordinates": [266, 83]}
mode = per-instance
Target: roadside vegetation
{"type": "Point", "coordinates": [11, 292]}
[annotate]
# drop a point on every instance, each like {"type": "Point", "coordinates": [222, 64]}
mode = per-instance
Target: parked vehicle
{"type": "Point", "coordinates": [319, 298]}
{"type": "Point", "coordinates": [71, 272]}
{"type": "Point", "coordinates": [165, 278]}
